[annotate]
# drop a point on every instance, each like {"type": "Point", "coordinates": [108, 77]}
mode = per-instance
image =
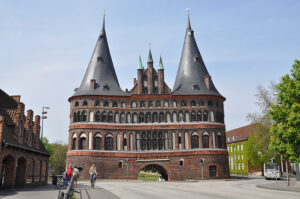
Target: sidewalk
{"type": "Point", "coordinates": [281, 185]}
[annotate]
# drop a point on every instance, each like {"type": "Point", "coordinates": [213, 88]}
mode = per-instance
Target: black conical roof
{"type": "Point", "coordinates": [190, 79]}
{"type": "Point", "coordinates": [100, 69]}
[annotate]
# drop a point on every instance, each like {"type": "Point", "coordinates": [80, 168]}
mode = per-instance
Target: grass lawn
{"type": "Point", "coordinates": [148, 176]}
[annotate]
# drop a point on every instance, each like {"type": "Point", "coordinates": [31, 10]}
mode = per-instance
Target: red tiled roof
{"type": "Point", "coordinates": [9, 115]}
{"type": "Point", "coordinates": [241, 133]}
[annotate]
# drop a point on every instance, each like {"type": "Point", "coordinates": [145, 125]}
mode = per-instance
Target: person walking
{"type": "Point", "coordinates": [68, 175]}
{"type": "Point", "coordinates": [75, 175]}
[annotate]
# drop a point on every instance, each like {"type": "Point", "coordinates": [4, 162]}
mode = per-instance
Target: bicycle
{"type": "Point", "coordinates": [93, 180]}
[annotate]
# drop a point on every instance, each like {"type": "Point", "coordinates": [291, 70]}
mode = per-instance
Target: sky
{"type": "Point", "coordinates": [45, 47]}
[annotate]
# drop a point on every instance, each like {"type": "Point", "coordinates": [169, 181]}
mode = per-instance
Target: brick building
{"type": "Point", "coordinates": [23, 158]}
{"type": "Point", "coordinates": [149, 125]}
{"type": "Point", "coordinates": [238, 160]}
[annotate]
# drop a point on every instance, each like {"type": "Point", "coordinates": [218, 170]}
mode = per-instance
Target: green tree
{"type": "Point", "coordinates": [47, 145]}
{"type": "Point", "coordinates": [58, 157]}
{"type": "Point", "coordinates": [257, 148]}
{"type": "Point", "coordinates": [285, 129]}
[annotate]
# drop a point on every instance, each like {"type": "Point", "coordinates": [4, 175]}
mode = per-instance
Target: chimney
{"type": "Point", "coordinates": [207, 80]}
{"type": "Point", "coordinates": [30, 114]}
{"type": "Point", "coordinates": [134, 81]}
{"type": "Point", "coordinates": [93, 84]}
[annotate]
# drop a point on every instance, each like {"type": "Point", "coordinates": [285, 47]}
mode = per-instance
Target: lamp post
{"type": "Point", "coordinates": [43, 117]}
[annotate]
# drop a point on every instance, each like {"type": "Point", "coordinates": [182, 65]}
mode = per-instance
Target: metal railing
{"type": "Point", "coordinates": [69, 193]}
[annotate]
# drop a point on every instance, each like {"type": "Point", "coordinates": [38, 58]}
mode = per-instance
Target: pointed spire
{"type": "Point", "coordinates": [150, 55]}
{"type": "Point", "coordinates": [188, 23]}
{"type": "Point", "coordinates": [160, 66]}
{"type": "Point", "coordinates": [140, 66]}
{"type": "Point", "coordinates": [192, 74]}
{"type": "Point", "coordinates": [100, 77]}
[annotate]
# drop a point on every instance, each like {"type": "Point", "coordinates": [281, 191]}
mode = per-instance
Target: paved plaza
{"type": "Point", "coordinates": [211, 189]}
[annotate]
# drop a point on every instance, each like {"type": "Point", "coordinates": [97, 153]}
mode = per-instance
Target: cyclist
{"type": "Point", "coordinates": [93, 173]}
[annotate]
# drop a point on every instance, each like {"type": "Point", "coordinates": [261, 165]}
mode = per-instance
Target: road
{"type": "Point", "coordinates": [213, 189]}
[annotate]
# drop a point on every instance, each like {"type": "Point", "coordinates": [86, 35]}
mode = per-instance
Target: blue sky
{"type": "Point", "coordinates": [45, 47]}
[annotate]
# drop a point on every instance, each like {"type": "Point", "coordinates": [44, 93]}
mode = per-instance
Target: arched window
{"type": "Point", "coordinates": [109, 142]}
{"type": "Point", "coordinates": [115, 104]}
{"type": "Point", "coordinates": [210, 103]}
{"type": "Point", "coordinates": [142, 103]}
{"type": "Point", "coordinates": [97, 141]}
{"type": "Point", "coordinates": [97, 103]}
{"type": "Point", "coordinates": [161, 141]}
{"type": "Point", "coordinates": [74, 141]}
{"type": "Point", "coordinates": [155, 140]}
{"type": "Point", "coordinates": [195, 140]}
{"type": "Point", "coordinates": [76, 103]}
{"type": "Point", "coordinates": [157, 103]}
{"type": "Point", "coordinates": [148, 117]}
{"type": "Point", "coordinates": [141, 117]}
{"type": "Point", "coordinates": [117, 119]}
{"type": "Point", "coordinates": [166, 103]}
{"type": "Point", "coordinates": [174, 117]}
{"type": "Point", "coordinates": [118, 142]}
{"type": "Point", "coordinates": [161, 117]}
{"type": "Point", "coordinates": [110, 117]}
{"type": "Point", "coordinates": [128, 118]}
{"type": "Point", "coordinates": [193, 116]}
{"type": "Point", "coordinates": [91, 116]}
{"type": "Point", "coordinates": [205, 140]}
{"type": "Point", "coordinates": [179, 140]}
{"type": "Point", "coordinates": [84, 103]}
{"type": "Point", "coordinates": [201, 102]}
{"type": "Point", "coordinates": [105, 104]}
{"type": "Point", "coordinates": [149, 140]}
{"type": "Point", "coordinates": [83, 116]}
{"type": "Point", "coordinates": [222, 117]}
{"type": "Point", "coordinates": [74, 117]}
{"type": "Point", "coordinates": [150, 104]}
{"type": "Point", "coordinates": [180, 117]}
{"type": "Point", "coordinates": [97, 116]}
{"type": "Point", "coordinates": [168, 117]}
{"type": "Point", "coordinates": [155, 117]}
{"type": "Point", "coordinates": [78, 117]}
{"type": "Point", "coordinates": [133, 104]}
{"type": "Point", "coordinates": [212, 118]}
{"type": "Point", "coordinates": [193, 103]}
{"type": "Point", "coordinates": [219, 140]}
{"type": "Point", "coordinates": [103, 117]}
{"type": "Point", "coordinates": [174, 103]}
{"type": "Point", "coordinates": [134, 118]}
{"type": "Point", "coordinates": [82, 142]}
{"type": "Point", "coordinates": [122, 117]}
{"type": "Point", "coordinates": [125, 141]}
{"type": "Point", "coordinates": [199, 116]}
{"type": "Point", "coordinates": [205, 116]}
{"type": "Point", "coordinates": [187, 116]}
{"type": "Point", "coordinates": [143, 143]}
{"type": "Point", "coordinates": [183, 103]}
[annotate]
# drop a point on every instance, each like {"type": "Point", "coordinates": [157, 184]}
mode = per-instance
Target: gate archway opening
{"type": "Point", "coordinates": [21, 172]}
{"type": "Point", "coordinates": [153, 172]}
{"type": "Point", "coordinates": [8, 168]}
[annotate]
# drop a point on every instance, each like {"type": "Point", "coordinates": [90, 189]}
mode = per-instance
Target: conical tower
{"type": "Point", "coordinates": [192, 76]}
{"type": "Point", "coordinates": [100, 77]}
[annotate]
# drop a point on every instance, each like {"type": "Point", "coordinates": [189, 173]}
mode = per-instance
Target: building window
{"type": "Point", "coordinates": [133, 104]}
{"type": "Point", "coordinates": [205, 116]}
{"type": "Point", "coordinates": [212, 171]}
{"type": "Point", "coordinates": [120, 165]}
{"type": "Point", "coordinates": [103, 117]}
{"type": "Point", "coordinates": [128, 118]}
{"type": "Point", "coordinates": [109, 142]}
{"type": "Point", "coordinates": [183, 103]}
{"type": "Point", "coordinates": [168, 117]}
{"type": "Point", "coordinates": [150, 104]}
{"type": "Point", "coordinates": [238, 147]}
{"type": "Point", "coordinates": [219, 141]}
{"type": "Point", "coordinates": [174, 103]}
{"type": "Point", "coordinates": [123, 104]}
{"type": "Point", "coordinates": [154, 117]}
{"type": "Point", "coordinates": [97, 103]}
{"type": "Point", "coordinates": [110, 117]}
{"type": "Point", "coordinates": [157, 103]}
{"type": "Point", "coordinates": [122, 118]}
{"type": "Point", "coordinates": [105, 104]}
{"type": "Point", "coordinates": [195, 141]}
{"type": "Point", "coordinates": [85, 103]}
{"type": "Point", "coordinates": [180, 117]}
{"type": "Point", "coordinates": [217, 104]}
{"type": "Point", "coordinates": [210, 103]}
{"type": "Point", "coordinates": [83, 116]}
{"type": "Point", "coordinates": [180, 162]}
{"type": "Point", "coordinates": [174, 116]}
{"type": "Point", "coordinates": [76, 103]}
{"type": "Point", "coordinates": [205, 141]}
{"type": "Point", "coordinates": [142, 104]}
{"type": "Point", "coordinates": [134, 118]}
{"type": "Point", "coordinates": [166, 103]}
{"type": "Point", "coordinates": [161, 141]}
{"type": "Point", "coordinates": [148, 117]}
{"type": "Point", "coordinates": [179, 140]}
{"type": "Point", "coordinates": [97, 142]}
{"type": "Point", "coordinates": [212, 117]}
{"type": "Point", "coordinates": [193, 116]}
{"type": "Point", "coordinates": [193, 103]}
{"type": "Point", "coordinates": [141, 117]}
{"type": "Point", "coordinates": [161, 117]}
{"type": "Point", "coordinates": [82, 143]}
{"type": "Point", "coordinates": [242, 147]}
{"type": "Point", "coordinates": [199, 116]}
{"type": "Point", "coordinates": [201, 102]}
{"type": "Point", "coordinates": [97, 116]}
{"type": "Point", "coordinates": [115, 104]}
{"type": "Point", "coordinates": [74, 144]}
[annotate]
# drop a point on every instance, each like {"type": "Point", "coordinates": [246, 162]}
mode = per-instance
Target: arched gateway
{"type": "Point", "coordinates": [156, 168]}
{"type": "Point", "coordinates": [148, 125]}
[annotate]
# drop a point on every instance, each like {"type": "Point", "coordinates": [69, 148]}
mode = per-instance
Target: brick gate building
{"type": "Point", "coordinates": [23, 158]}
{"type": "Point", "coordinates": [150, 125]}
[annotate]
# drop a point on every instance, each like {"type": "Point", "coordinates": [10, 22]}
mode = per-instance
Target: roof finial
{"type": "Point", "coordinates": [150, 54]}
{"type": "Point", "coordinates": [103, 24]}
{"type": "Point", "coordinates": [188, 13]}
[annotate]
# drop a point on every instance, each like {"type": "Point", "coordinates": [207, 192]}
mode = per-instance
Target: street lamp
{"type": "Point", "coordinates": [44, 117]}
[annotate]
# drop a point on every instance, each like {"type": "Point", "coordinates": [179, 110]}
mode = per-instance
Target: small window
{"type": "Point", "coordinates": [196, 87]}
{"type": "Point", "coordinates": [120, 164]}
{"type": "Point", "coordinates": [105, 104]}
{"type": "Point", "coordinates": [97, 103]}
{"type": "Point", "coordinates": [133, 104]}
{"type": "Point", "coordinates": [105, 87]}
{"type": "Point", "coordinates": [180, 162]}
{"type": "Point", "coordinates": [155, 90]}
{"type": "Point", "coordinates": [166, 103]}
{"type": "Point", "coordinates": [85, 103]}
{"type": "Point", "coordinates": [76, 103]}
{"type": "Point", "coordinates": [157, 103]}
{"type": "Point", "coordinates": [150, 104]}
{"type": "Point", "coordinates": [210, 103]}
{"type": "Point", "coordinates": [115, 104]}
{"type": "Point", "coordinates": [201, 102]}
{"type": "Point", "coordinates": [183, 103]}
{"type": "Point", "coordinates": [123, 105]}
{"type": "Point", "coordinates": [212, 171]}
{"type": "Point", "coordinates": [174, 103]}
{"type": "Point", "coordinates": [142, 104]}
{"type": "Point", "coordinates": [193, 103]}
